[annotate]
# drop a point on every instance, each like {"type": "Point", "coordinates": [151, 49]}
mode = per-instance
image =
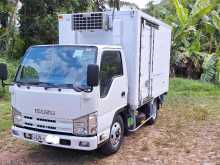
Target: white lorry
{"type": "Point", "coordinates": [108, 76]}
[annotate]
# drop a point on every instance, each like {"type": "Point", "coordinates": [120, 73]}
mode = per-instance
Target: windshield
{"type": "Point", "coordinates": [60, 65]}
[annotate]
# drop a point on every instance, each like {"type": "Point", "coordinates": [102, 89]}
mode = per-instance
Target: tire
{"type": "Point", "coordinates": [115, 138]}
{"type": "Point", "coordinates": [152, 111]}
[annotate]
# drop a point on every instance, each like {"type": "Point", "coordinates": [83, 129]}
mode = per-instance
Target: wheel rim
{"type": "Point", "coordinates": [115, 134]}
{"type": "Point", "coordinates": [154, 111]}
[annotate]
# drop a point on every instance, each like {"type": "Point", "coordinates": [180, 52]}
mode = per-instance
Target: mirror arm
{"type": "Point", "coordinates": [89, 90]}
{"type": "Point", "coordinates": [4, 84]}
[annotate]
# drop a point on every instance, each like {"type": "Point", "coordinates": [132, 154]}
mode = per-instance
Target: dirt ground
{"type": "Point", "coordinates": [177, 138]}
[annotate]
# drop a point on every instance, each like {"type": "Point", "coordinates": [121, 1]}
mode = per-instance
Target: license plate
{"type": "Point", "coordinates": [52, 139]}
{"type": "Point", "coordinates": [37, 137]}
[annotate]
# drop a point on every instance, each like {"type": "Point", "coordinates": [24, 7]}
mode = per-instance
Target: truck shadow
{"type": "Point", "coordinates": [62, 156]}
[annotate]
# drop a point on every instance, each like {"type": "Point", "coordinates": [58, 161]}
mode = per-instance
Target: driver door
{"type": "Point", "coordinates": [113, 86]}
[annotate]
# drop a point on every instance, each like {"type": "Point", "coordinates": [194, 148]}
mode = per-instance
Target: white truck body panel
{"type": "Point", "coordinates": [152, 78]}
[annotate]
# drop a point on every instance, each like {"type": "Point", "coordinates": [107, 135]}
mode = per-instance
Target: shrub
{"type": "Point", "coordinates": [17, 48]}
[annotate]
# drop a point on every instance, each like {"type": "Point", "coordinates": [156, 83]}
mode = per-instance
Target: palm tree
{"type": "Point", "coordinates": [99, 5]}
{"type": "Point", "coordinates": [115, 4]}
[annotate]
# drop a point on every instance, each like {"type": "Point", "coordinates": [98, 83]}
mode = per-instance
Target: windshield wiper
{"type": "Point", "coordinates": [51, 85]}
{"type": "Point", "coordinates": [19, 83]}
{"type": "Point", "coordinates": [43, 84]}
{"type": "Point", "coordinates": [84, 89]}
{"type": "Point", "coordinates": [74, 87]}
{"type": "Point", "coordinates": [79, 88]}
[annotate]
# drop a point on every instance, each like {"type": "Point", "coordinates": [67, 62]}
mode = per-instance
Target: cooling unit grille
{"type": "Point", "coordinates": [88, 21]}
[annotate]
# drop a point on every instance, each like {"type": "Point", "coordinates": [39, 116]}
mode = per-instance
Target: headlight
{"type": "Point", "coordinates": [86, 125]}
{"type": "Point", "coordinates": [16, 117]}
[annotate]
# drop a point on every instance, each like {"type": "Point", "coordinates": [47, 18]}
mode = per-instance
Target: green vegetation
{"type": "Point", "coordinates": [5, 120]}
{"type": "Point", "coordinates": [39, 22]}
{"type": "Point", "coordinates": [6, 12]}
{"type": "Point", "coordinates": [194, 100]}
{"type": "Point", "coordinates": [196, 31]}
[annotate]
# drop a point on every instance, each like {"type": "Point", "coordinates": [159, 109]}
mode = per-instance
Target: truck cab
{"type": "Point", "coordinates": [68, 95]}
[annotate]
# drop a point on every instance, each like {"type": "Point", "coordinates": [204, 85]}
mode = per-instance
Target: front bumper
{"type": "Point", "coordinates": [74, 142]}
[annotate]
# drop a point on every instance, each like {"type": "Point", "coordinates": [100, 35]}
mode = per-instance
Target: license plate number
{"type": "Point", "coordinates": [37, 137]}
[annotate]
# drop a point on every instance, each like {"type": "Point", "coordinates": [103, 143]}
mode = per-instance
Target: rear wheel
{"type": "Point", "coordinates": [152, 110]}
{"type": "Point", "coordinates": [116, 137]}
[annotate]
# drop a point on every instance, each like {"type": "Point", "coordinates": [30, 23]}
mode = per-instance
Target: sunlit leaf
{"type": "Point", "coordinates": [182, 12]}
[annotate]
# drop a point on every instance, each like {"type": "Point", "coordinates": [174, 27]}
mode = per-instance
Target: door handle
{"type": "Point", "coordinates": [123, 94]}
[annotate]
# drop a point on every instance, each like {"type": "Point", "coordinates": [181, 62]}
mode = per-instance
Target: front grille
{"type": "Point", "coordinates": [46, 120]}
{"type": "Point", "coordinates": [92, 21]}
{"type": "Point", "coordinates": [48, 127]}
{"type": "Point", "coordinates": [44, 123]}
{"type": "Point", "coordinates": [28, 124]}
{"type": "Point", "coordinates": [28, 117]}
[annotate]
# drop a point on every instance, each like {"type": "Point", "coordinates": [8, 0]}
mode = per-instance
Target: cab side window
{"type": "Point", "coordinates": [111, 67]}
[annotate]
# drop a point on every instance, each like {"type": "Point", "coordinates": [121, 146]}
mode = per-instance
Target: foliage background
{"type": "Point", "coordinates": [196, 31]}
{"type": "Point", "coordinates": [195, 41]}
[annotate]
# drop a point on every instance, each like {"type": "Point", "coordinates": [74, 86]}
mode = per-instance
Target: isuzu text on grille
{"type": "Point", "coordinates": [44, 112]}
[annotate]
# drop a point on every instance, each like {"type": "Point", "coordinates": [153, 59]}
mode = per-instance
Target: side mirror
{"type": "Point", "coordinates": [92, 75]}
{"type": "Point", "coordinates": [3, 72]}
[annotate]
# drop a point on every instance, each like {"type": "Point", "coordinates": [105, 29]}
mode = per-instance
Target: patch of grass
{"type": "Point", "coordinates": [197, 99]}
{"type": "Point", "coordinates": [5, 115]}
{"type": "Point", "coordinates": [189, 87]}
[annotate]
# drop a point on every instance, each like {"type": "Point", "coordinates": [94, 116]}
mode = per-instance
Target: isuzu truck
{"type": "Point", "coordinates": [107, 77]}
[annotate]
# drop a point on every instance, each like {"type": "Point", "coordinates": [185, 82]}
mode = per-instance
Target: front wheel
{"type": "Point", "coordinates": [116, 137]}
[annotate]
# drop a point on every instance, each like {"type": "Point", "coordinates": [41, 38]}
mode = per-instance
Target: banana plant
{"type": "Point", "coordinates": [216, 23]}
{"type": "Point", "coordinates": [187, 34]}
{"type": "Point", "coordinates": [99, 5]}
{"type": "Point", "coordinates": [209, 69]}
{"type": "Point", "coordinates": [190, 18]}
{"type": "Point", "coordinates": [218, 68]}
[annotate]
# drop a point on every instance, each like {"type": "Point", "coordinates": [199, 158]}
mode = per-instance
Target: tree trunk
{"type": "Point", "coordinates": [189, 69]}
{"type": "Point", "coordinates": [114, 4]}
{"type": "Point", "coordinates": [11, 30]}
{"type": "Point", "coordinates": [172, 71]}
